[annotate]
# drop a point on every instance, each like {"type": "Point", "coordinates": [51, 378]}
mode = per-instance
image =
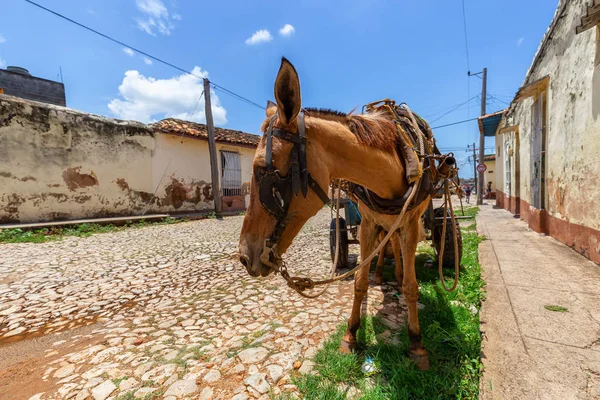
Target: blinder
{"type": "Point", "coordinates": [275, 190]}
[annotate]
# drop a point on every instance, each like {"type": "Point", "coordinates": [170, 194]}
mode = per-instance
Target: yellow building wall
{"type": "Point", "coordinates": [490, 175]}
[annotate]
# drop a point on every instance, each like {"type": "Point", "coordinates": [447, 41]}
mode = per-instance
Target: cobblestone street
{"type": "Point", "coordinates": [171, 312]}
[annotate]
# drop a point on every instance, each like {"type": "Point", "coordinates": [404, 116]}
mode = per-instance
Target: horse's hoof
{"type": "Point", "coordinates": [421, 360]}
{"type": "Point", "coordinates": [347, 347]}
{"type": "Point", "coordinates": [377, 280]}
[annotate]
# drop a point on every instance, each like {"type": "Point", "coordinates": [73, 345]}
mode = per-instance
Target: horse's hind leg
{"type": "Point", "coordinates": [367, 237]}
{"type": "Point", "coordinates": [378, 278]}
{"type": "Point", "coordinates": [410, 237]}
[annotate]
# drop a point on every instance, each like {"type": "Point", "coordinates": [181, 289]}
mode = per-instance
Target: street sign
{"type": "Point", "coordinates": [481, 167]}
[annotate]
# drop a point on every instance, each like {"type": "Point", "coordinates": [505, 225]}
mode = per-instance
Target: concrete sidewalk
{"type": "Point", "coordinates": [528, 351]}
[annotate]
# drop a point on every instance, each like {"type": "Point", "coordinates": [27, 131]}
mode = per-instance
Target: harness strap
{"type": "Point", "coordinates": [275, 191]}
{"type": "Point", "coordinates": [317, 189]}
{"type": "Point", "coordinates": [288, 136]}
{"type": "Point", "coordinates": [302, 155]}
{"type": "Point", "coordinates": [269, 155]}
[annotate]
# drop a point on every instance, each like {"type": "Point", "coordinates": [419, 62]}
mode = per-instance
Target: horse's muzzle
{"type": "Point", "coordinates": [253, 264]}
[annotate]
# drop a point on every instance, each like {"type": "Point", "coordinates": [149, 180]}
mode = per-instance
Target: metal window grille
{"type": "Point", "coordinates": [231, 169]}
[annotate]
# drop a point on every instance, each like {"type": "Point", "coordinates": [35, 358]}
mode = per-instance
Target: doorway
{"type": "Point", "coordinates": [538, 152]}
{"type": "Point", "coordinates": [231, 182]}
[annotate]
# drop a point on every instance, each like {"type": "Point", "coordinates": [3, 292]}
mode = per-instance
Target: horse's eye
{"type": "Point", "coordinates": [259, 170]}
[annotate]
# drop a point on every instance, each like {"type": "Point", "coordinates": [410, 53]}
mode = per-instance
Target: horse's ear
{"type": "Point", "coordinates": [287, 92]}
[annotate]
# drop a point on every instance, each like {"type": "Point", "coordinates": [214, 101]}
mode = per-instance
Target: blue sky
{"type": "Point", "coordinates": [347, 54]}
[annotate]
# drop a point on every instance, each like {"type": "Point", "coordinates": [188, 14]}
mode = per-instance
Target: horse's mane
{"type": "Point", "coordinates": [372, 129]}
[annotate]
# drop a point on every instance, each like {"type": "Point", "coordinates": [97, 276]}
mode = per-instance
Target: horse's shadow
{"type": "Point", "coordinates": [385, 339]}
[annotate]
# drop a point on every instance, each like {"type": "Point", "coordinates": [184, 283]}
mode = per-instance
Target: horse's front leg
{"type": "Point", "coordinates": [367, 237]}
{"type": "Point", "coordinates": [397, 248]}
{"type": "Point", "coordinates": [410, 237]}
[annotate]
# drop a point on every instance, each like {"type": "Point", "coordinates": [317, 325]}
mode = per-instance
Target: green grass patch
{"type": "Point", "coordinates": [466, 212]}
{"type": "Point", "coordinates": [155, 395]}
{"type": "Point", "coordinates": [450, 328]}
{"type": "Point", "coordinates": [18, 235]}
{"type": "Point", "coordinates": [118, 381]}
{"type": "Point", "coordinates": [554, 308]}
{"type": "Point", "coordinates": [198, 354]}
{"type": "Point", "coordinates": [126, 396]}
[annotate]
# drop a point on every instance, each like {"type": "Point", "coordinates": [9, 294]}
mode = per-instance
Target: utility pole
{"type": "Point", "coordinates": [480, 188]}
{"type": "Point", "coordinates": [212, 148]}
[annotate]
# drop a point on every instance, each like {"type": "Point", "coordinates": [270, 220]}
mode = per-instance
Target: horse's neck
{"type": "Point", "coordinates": [375, 169]}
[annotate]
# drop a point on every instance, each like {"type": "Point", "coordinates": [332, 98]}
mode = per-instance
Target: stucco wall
{"type": "Point", "coordinates": [60, 164]}
{"type": "Point", "coordinates": [572, 124]}
{"type": "Point", "coordinates": [185, 163]}
{"type": "Point", "coordinates": [490, 175]}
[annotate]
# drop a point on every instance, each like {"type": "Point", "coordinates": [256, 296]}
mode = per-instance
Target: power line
{"type": "Point", "coordinates": [454, 109]}
{"type": "Point", "coordinates": [500, 100]}
{"type": "Point", "coordinates": [496, 103]}
{"type": "Point", "coordinates": [455, 123]}
{"type": "Point", "coordinates": [221, 88]}
{"type": "Point", "coordinates": [451, 108]}
{"type": "Point", "coordinates": [444, 109]}
{"type": "Point", "coordinates": [465, 30]}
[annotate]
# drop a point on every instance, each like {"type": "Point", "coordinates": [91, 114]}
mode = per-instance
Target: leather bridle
{"type": "Point", "coordinates": [275, 191]}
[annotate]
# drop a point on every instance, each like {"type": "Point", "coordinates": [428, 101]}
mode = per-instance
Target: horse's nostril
{"type": "Point", "coordinates": [245, 261]}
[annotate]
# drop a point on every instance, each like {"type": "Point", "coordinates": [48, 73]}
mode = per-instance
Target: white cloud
{"type": "Point", "coordinates": [147, 61]}
{"type": "Point", "coordinates": [2, 63]}
{"type": "Point", "coordinates": [520, 41]}
{"type": "Point", "coordinates": [2, 39]}
{"type": "Point", "coordinates": [128, 51]}
{"type": "Point", "coordinates": [148, 99]}
{"type": "Point", "coordinates": [259, 36]}
{"type": "Point", "coordinates": [156, 17]}
{"type": "Point", "coordinates": [287, 30]}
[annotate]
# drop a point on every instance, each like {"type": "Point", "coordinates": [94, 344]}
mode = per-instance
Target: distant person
{"type": "Point", "coordinates": [468, 194]}
{"type": "Point", "coordinates": [489, 190]}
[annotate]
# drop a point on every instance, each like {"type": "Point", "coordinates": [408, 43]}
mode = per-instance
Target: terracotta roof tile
{"type": "Point", "coordinates": [179, 127]}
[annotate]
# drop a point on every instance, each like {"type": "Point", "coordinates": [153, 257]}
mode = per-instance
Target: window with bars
{"type": "Point", "coordinates": [231, 173]}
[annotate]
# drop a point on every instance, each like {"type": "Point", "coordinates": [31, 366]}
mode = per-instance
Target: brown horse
{"type": "Point", "coordinates": [358, 148]}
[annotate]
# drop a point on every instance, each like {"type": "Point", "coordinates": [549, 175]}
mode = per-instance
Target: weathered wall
{"type": "Point", "coordinates": [572, 128]}
{"type": "Point", "coordinates": [32, 88]}
{"type": "Point", "coordinates": [187, 164]}
{"type": "Point", "coordinates": [60, 164]}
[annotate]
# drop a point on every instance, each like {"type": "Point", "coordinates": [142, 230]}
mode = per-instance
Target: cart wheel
{"type": "Point", "coordinates": [343, 243]}
{"type": "Point", "coordinates": [436, 234]}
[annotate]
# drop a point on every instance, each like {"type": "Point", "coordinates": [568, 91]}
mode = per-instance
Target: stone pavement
{"type": "Point", "coordinates": [174, 314]}
{"type": "Point", "coordinates": [530, 352]}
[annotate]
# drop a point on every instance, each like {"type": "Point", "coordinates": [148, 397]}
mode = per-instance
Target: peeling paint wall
{"type": "Point", "coordinates": [572, 125]}
{"type": "Point", "coordinates": [185, 163]}
{"type": "Point", "coordinates": [61, 164]}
